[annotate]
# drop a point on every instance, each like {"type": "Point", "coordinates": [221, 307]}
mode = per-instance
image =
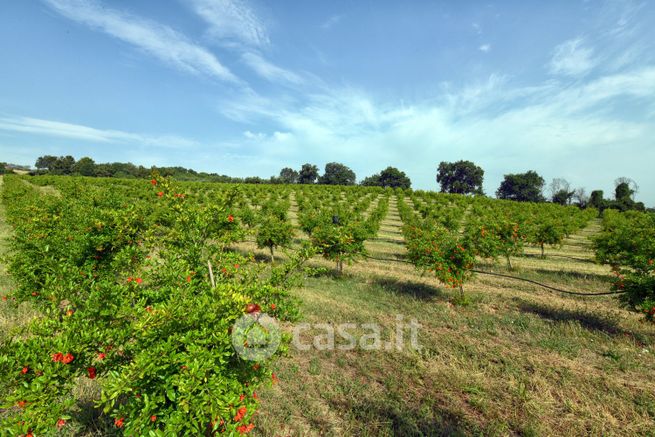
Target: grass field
{"type": "Point", "coordinates": [517, 359]}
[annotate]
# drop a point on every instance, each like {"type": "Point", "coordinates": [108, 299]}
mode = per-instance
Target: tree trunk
{"type": "Point", "coordinates": [272, 255]}
{"type": "Point", "coordinates": [461, 292]}
{"type": "Point", "coordinates": [509, 262]}
{"type": "Point", "coordinates": [543, 254]}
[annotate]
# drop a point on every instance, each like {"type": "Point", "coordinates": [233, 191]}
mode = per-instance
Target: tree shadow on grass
{"type": "Point", "coordinates": [571, 275]}
{"type": "Point", "coordinates": [417, 290]}
{"type": "Point", "coordinates": [590, 321]}
{"type": "Point", "coordinates": [388, 416]}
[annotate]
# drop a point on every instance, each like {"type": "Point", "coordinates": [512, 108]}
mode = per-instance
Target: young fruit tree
{"type": "Point", "coordinates": [445, 253]}
{"type": "Point", "coordinates": [272, 233]}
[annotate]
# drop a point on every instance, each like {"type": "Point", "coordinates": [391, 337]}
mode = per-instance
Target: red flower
{"type": "Point", "coordinates": [240, 414]}
{"type": "Point", "coordinates": [236, 266]}
{"type": "Point", "coordinates": [92, 372]}
{"type": "Point", "coordinates": [160, 194]}
{"type": "Point", "coordinates": [188, 278]}
{"type": "Point", "coordinates": [21, 404]}
{"type": "Point", "coordinates": [119, 422]}
{"type": "Point", "coordinates": [242, 397]}
{"type": "Point", "coordinates": [61, 423]}
{"type": "Point", "coordinates": [153, 418]}
{"type": "Point", "coordinates": [67, 359]}
{"type": "Point", "coordinates": [34, 293]}
{"type": "Point", "coordinates": [230, 218]}
{"type": "Point", "coordinates": [101, 356]}
{"type": "Point", "coordinates": [149, 309]}
{"type": "Point", "coordinates": [273, 306]}
{"type": "Point", "coordinates": [129, 279]}
{"type": "Point", "coordinates": [153, 181]}
{"type": "Point", "coordinates": [274, 378]}
{"type": "Point", "coordinates": [4, 298]}
{"type": "Point", "coordinates": [70, 313]}
{"type": "Point", "coordinates": [245, 429]}
{"type": "Point", "coordinates": [252, 308]}
{"type": "Point", "coordinates": [254, 395]}
{"type": "Point", "coordinates": [25, 370]}
{"type": "Point", "coordinates": [58, 357]}
{"type": "Point", "coordinates": [139, 280]}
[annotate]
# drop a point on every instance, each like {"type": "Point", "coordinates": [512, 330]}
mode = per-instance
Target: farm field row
{"type": "Point", "coordinates": [497, 357]}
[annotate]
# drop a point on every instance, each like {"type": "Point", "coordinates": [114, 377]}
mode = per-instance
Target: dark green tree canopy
{"type": "Point", "coordinates": [461, 177]}
{"type": "Point", "coordinates": [85, 166]}
{"type": "Point", "coordinates": [389, 177]}
{"type": "Point", "coordinates": [337, 174]}
{"type": "Point", "coordinates": [523, 187]}
{"type": "Point", "coordinates": [596, 199]}
{"type": "Point", "coordinates": [288, 176]}
{"type": "Point", "coordinates": [308, 174]}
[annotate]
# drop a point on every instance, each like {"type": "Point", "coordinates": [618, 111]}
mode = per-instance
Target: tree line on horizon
{"type": "Point", "coordinates": [460, 177]}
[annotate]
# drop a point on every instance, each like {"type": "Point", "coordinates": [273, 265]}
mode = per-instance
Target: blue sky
{"type": "Point", "coordinates": [246, 87]}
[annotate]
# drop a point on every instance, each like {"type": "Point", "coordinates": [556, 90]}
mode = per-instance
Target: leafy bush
{"type": "Point", "coordinates": [120, 277]}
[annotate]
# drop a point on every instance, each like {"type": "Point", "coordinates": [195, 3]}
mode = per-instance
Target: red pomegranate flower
{"type": "Point", "coordinates": [21, 404]}
{"type": "Point", "coordinates": [274, 378]}
{"type": "Point", "coordinates": [153, 418]}
{"type": "Point", "coordinates": [25, 370]}
{"type": "Point", "coordinates": [101, 356]}
{"type": "Point", "coordinates": [67, 359]}
{"type": "Point", "coordinates": [61, 423]}
{"type": "Point", "coordinates": [153, 181]}
{"type": "Point", "coordinates": [139, 280]}
{"type": "Point", "coordinates": [160, 194]}
{"type": "Point", "coordinates": [230, 218]}
{"type": "Point", "coordinates": [273, 306]}
{"type": "Point", "coordinates": [92, 372]}
{"type": "Point", "coordinates": [253, 308]}
{"type": "Point", "coordinates": [242, 397]}
{"type": "Point", "coordinates": [119, 422]}
{"type": "Point", "coordinates": [58, 357]}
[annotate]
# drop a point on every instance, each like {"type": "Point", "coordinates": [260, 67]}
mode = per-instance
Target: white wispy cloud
{"type": "Point", "coordinates": [331, 22]}
{"type": "Point", "coordinates": [232, 22]}
{"type": "Point", "coordinates": [268, 70]}
{"type": "Point", "coordinates": [502, 127]}
{"type": "Point", "coordinates": [153, 38]}
{"type": "Point", "coordinates": [90, 134]}
{"type": "Point", "coordinates": [485, 48]}
{"type": "Point", "coordinates": [572, 58]}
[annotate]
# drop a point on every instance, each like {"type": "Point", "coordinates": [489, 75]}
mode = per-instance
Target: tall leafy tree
{"type": "Point", "coordinates": [45, 162]}
{"type": "Point", "coordinates": [85, 166]}
{"type": "Point", "coordinates": [308, 174]}
{"type": "Point", "coordinates": [461, 177]}
{"type": "Point", "coordinates": [337, 174]}
{"type": "Point", "coordinates": [522, 187]}
{"type": "Point", "coordinates": [389, 177]}
{"type": "Point", "coordinates": [288, 176]}
{"type": "Point", "coordinates": [596, 199]}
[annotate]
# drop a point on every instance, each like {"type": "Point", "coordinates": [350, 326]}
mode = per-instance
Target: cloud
{"type": "Point", "coordinates": [153, 38]}
{"type": "Point", "coordinates": [90, 134]}
{"type": "Point", "coordinates": [502, 127]}
{"type": "Point", "coordinates": [485, 48]}
{"type": "Point", "coordinates": [232, 22]}
{"type": "Point", "coordinates": [571, 58]}
{"type": "Point", "coordinates": [268, 70]}
{"type": "Point", "coordinates": [331, 22]}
